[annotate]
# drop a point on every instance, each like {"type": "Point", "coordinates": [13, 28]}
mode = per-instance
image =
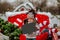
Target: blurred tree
{"type": "Point", "coordinates": [59, 8]}
{"type": "Point", "coordinates": [10, 30]}
{"type": "Point", "coordinates": [58, 1]}
{"type": "Point", "coordinates": [5, 7]}
{"type": "Point", "coordinates": [53, 10]}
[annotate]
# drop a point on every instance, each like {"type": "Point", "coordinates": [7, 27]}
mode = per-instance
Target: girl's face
{"type": "Point", "coordinates": [30, 20]}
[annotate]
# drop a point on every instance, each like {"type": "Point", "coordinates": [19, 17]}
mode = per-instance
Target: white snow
{"type": "Point", "coordinates": [2, 16]}
{"type": "Point", "coordinates": [3, 37]}
{"type": "Point", "coordinates": [55, 21]}
{"type": "Point", "coordinates": [51, 3]}
{"type": "Point", "coordinates": [14, 13]}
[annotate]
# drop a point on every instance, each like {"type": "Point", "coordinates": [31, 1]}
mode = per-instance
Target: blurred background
{"type": "Point", "coordinates": [52, 6]}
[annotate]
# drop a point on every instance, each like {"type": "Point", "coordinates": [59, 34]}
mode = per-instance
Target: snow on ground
{"type": "Point", "coordinates": [3, 17]}
{"type": "Point", "coordinates": [3, 37]}
{"type": "Point", "coordinates": [55, 21]}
